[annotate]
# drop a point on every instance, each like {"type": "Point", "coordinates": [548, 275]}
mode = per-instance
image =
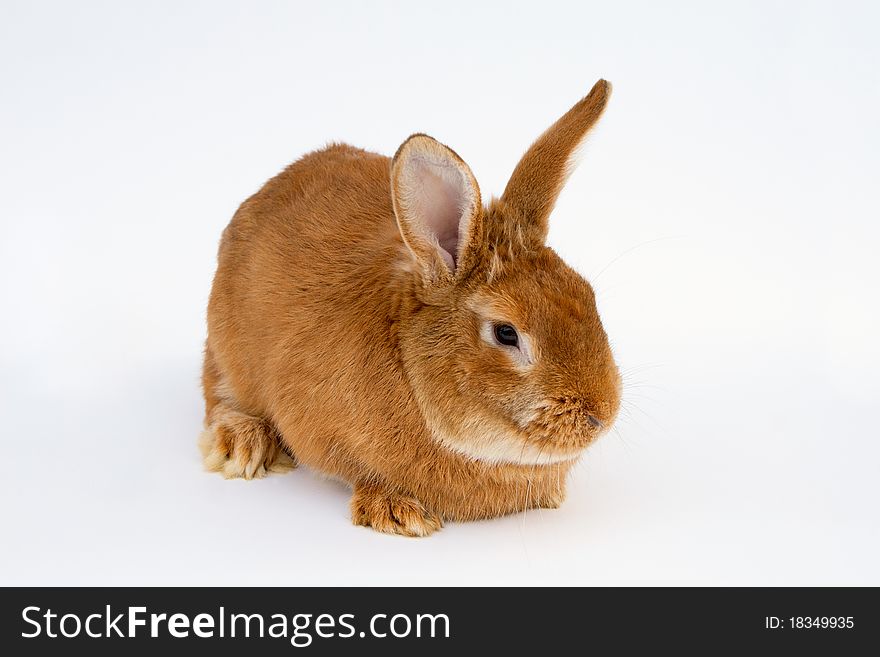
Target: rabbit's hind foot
{"type": "Point", "coordinates": [239, 445]}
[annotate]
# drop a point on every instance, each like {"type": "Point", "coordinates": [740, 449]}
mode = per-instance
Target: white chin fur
{"type": "Point", "coordinates": [499, 446]}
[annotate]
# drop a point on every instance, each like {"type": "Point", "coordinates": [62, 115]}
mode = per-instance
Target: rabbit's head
{"type": "Point", "coordinates": [501, 340]}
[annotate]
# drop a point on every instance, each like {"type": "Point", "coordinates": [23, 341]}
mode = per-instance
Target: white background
{"type": "Point", "coordinates": [726, 211]}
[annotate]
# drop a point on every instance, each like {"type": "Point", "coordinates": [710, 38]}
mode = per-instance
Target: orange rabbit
{"type": "Point", "coordinates": [372, 319]}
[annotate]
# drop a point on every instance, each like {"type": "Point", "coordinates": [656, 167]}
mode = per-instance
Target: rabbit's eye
{"type": "Point", "coordinates": [506, 335]}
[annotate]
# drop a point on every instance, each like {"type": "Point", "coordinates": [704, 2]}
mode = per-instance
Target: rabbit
{"type": "Point", "coordinates": [372, 319]}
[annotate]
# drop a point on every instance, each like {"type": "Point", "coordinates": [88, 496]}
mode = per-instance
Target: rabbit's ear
{"type": "Point", "coordinates": [537, 180]}
{"type": "Point", "coordinates": [437, 205]}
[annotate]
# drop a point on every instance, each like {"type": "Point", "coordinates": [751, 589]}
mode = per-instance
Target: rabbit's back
{"type": "Point", "coordinates": [301, 275]}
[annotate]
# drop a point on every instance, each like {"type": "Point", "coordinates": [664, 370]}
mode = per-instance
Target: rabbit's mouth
{"type": "Point", "coordinates": [567, 424]}
{"type": "Point", "coordinates": [499, 442]}
{"type": "Point", "coordinates": [556, 431]}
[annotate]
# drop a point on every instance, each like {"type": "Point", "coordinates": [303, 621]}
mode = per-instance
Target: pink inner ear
{"type": "Point", "coordinates": [440, 197]}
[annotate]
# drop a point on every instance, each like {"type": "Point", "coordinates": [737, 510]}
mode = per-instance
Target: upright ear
{"type": "Point", "coordinates": [538, 178]}
{"type": "Point", "coordinates": [437, 204]}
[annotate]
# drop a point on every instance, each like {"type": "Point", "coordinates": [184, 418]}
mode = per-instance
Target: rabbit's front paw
{"type": "Point", "coordinates": [391, 513]}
